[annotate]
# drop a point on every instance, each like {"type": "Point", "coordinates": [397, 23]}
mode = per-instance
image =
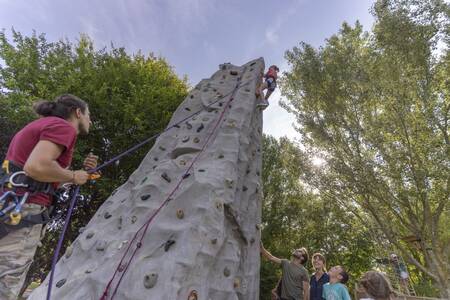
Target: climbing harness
{"type": "Point", "coordinates": [16, 187]}
{"type": "Point", "coordinates": [121, 267]}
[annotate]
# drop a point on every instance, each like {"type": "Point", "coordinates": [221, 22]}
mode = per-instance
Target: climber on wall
{"type": "Point", "coordinates": [294, 276]}
{"type": "Point", "coordinates": [38, 156]}
{"type": "Point", "coordinates": [269, 84]}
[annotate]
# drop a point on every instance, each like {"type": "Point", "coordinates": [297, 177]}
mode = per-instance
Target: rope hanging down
{"type": "Point", "coordinates": [113, 160]}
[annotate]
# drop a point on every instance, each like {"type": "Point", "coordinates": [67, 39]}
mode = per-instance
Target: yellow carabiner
{"type": "Point", "coordinates": [15, 218]}
{"type": "Point", "coordinates": [94, 176]}
{"type": "Point", "coordinates": [5, 166]}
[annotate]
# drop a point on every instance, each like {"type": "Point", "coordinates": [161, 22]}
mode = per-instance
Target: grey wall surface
{"type": "Point", "coordinates": [202, 244]}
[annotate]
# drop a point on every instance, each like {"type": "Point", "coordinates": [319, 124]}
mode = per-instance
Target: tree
{"type": "Point", "coordinates": [375, 107]}
{"type": "Point", "coordinates": [295, 216]}
{"type": "Point", "coordinates": [131, 97]}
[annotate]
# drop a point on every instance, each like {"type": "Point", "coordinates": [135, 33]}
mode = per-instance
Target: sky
{"type": "Point", "coordinates": [194, 36]}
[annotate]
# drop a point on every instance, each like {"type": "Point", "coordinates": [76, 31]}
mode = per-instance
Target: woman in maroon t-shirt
{"type": "Point", "coordinates": [44, 150]}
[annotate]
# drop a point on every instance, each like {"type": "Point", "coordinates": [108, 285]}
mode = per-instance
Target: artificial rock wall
{"type": "Point", "coordinates": [204, 243]}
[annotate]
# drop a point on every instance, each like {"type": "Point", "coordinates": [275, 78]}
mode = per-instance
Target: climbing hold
{"type": "Point", "coordinates": [150, 280]}
{"type": "Point", "coordinates": [201, 170]}
{"type": "Point", "coordinates": [101, 246]}
{"type": "Point", "coordinates": [247, 90]}
{"type": "Point", "coordinates": [122, 244]}
{"type": "Point", "coordinates": [69, 251]}
{"type": "Point", "coordinates": [89, 235]}
{"type": "Point", "coordinates": [257, 226]}
{"type": "Point", "coordinates": [200, 128]}
{"type": "Point", "coordinates": [244, 188]}
{"type": "Point", "coordinates": [88, 271]}
{"type": "Point", "coordinates": [187, 108]}
{"type": "Point", "coordinates": [196, 140]}
{"type": "Point", "coordinates": [144, 180]}
{"type": "Point", "coordinates": [185, 139]}
{"type": "Point", "coordinates": [168, 244]}
{"type": "Point", "coordinates": [155, 158]}
{"type": "Point", "coordinates": [60, 283]}
{"type": "Point", "coordinates": [252, 64]}
{"type": "Point", "coordinates": [252, 240]}
{"type": "Point", "coordinates": [229, 183]}
{"type": "Point", "coordinates": [166, 177]}
{"type": "Point", "coordinates": [205, 119]}
{"type": "Point", "coordinates": [219, 205]}
{"type": "Point", "coordinates": [107, 215]}
{"type": "Point", "coordinates": [162, 148]}
{"type": "Point", "coordinates": [232, 123]}
{"type": "Point", "coordinates": [192, 96]}
{"type": "Point", "coordinates": [257, 173]}
{"type": "Point", "coordinates": [180, 214]}
{"type": "Point", "coordinates": [176, 126]}
{"type": "Point", "coordinates": [188, 125]}
{"type": "Point", "coordinates": [234, 73]}
{"type": "Point", "coordinates": [182, 162]}
{"type": "Point", "coordinates": [221, 156]}
{"type": "Point", "coordinates": [226, 272]}
{"type": "Point", "coordinates": [133, 219]}
{"type": "Point", "coordinates": [247, 171]}
{"type": "Point", "coordinates": [193, 295]}
{"type": "Point", "coordinates": [145, 197]}
{"type": "Point", "coordinates": [237, 283]}
{"type": "Point", "coordinates": [119, 226]}
{"type": "Point", "coordinates": [214, 241]}
{"type": "Point", "coordinates": [186, 175]}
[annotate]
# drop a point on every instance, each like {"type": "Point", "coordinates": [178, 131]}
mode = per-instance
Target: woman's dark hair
{"type": "Point", "coordinates": [375, 285]}
{"type": "Point", "coordinates": [62, 107]}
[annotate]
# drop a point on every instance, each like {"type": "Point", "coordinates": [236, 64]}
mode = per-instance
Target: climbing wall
{"type": "Point", "coordinates": [186, 223]}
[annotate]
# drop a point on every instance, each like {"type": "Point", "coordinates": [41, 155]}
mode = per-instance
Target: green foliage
{"type": "Point", "coordinates": [375, 107]}
{"type": "Point", "coordinates": [295, 216]}
{"type": "Point", "coordinates": [131, 97]}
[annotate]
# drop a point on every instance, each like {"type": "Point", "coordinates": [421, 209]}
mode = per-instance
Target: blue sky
{"type": "Point", "coordinates": [195, 36]}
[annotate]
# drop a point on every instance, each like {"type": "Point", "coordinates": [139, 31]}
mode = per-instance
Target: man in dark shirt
{"type": "Point", "coordinates": [294, 276]}
{"type": "Point", "coordinates": [319, 278]}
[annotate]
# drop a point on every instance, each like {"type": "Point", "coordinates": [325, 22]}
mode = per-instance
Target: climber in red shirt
{"type": "Point", "coordinates": [270, 83]}
{"type": "Point", "coordinates": [43, 149]}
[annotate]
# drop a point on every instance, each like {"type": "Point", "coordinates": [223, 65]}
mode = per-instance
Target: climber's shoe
{"type": "Point", "coordinates": [263, 104]}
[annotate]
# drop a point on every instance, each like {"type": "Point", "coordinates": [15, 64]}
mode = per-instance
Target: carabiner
{"type": "Point", "coordinates": [13, 176]}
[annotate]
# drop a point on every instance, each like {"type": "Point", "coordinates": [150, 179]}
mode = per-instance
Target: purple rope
{"type": "Point", "coordinates": [61, 239]}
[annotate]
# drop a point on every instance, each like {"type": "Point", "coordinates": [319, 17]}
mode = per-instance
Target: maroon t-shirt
{"type": "Point", "coordinates": [53, 129]}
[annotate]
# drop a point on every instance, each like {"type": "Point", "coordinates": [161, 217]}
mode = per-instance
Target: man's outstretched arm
{"type": "Point", "coordinates": [269, 256]}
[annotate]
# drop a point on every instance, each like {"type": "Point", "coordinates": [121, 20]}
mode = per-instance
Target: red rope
{"type": "Point", "coordinates": [145, 226]}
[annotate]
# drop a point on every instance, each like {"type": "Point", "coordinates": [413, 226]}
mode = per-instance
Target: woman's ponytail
{"type": "Point", "coordinates": [62, 107]}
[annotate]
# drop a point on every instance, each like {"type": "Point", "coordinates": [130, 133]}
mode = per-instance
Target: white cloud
{"type": "Point", "coordinates": [271, 36]}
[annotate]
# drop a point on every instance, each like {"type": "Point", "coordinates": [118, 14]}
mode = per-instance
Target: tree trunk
{"type": "Point", "coordinates": [204, 242]}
